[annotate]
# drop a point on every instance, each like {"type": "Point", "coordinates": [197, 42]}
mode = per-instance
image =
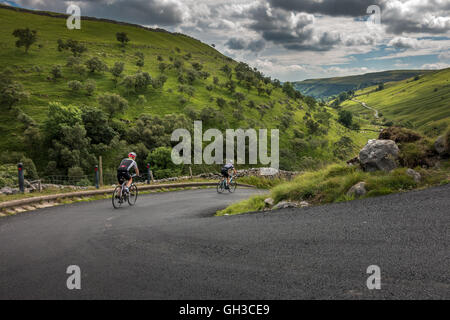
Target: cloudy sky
{"type": "Point", "coordinates": [296, 39]}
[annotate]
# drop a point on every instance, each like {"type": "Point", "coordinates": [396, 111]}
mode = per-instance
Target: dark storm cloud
{"type": "Point", "coordinates": [352, 8]}
{"type": "Point", "coordinates": [241, 44]}
{"type": "Point", "coordinates": [146, 12]}
{"type": "Point", "coordinates": [292, 31]}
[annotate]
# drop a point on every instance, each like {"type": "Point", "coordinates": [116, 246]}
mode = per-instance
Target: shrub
{"type": "Point", "coordinates": [8, 175]}
{"type": "Point", "coordinates": [94, 64]}
{"type": "Point", "coordinates": [141, 100]}
{"type": "Point", "coordinates": [399, 135]}
{"type": "Point", "coordinates": [113, 103]}
{"type": "Point", "coordinates": [56, 72]}
{"type": "Point", "coordinates": [90, 87]}
{"type": "Point", "coordinates": [72, 61]}
{"type": "Point", "coordinates": [117, 70]}
{"type": "Point", "coordinates": [75, 85]}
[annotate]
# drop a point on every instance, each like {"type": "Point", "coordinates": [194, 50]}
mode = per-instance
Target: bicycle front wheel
{"type": "Point", "coordinates": [132, 196]}
{"type": "Point", "coordinates": [116, 199]}
{"type": "Point", "coordinates": [232, 186]}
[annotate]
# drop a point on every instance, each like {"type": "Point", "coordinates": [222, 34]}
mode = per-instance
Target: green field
{"type": "Point", "coordinates": [422, 104]}
{"type": "Point", "coordinates": [270, 110]}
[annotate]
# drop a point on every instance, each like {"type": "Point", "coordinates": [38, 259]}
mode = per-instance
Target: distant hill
{"type": "Point", "coordinates": [422, 104]}
{"type": "Point", "coordinates": [327, 87]}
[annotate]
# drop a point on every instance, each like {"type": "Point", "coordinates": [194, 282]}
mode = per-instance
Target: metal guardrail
{"type": "Point", "coordinates": [29, 201]}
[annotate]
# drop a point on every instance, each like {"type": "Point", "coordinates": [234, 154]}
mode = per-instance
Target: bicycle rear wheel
{"type": "Point", "coordinates": [116, 200]}
{"type": "Point", "coordinates": [220, 187]}
{"type": "Point", "coordinates": [132, 196]}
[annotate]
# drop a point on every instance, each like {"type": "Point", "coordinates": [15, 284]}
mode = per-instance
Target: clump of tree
{"type": "Point", "coordinates": [113, 103]}
{"type": "Point", "coordinates": [26, 38]}
{"type": "Point", "coordinates": [90, 87]}
{"type": "Point", "coordinates": [75, 85]}
{"type": "Point", "coordinates": [94, 64]}
{"type": "Point", "coordinates": [117, 70]}
{"type": "Point", "coordinates": [122, 37]}
{"type": "Point", "coordinates": [74, 46]}
{"type": "Point", "coordinates": [346, 119]}
{"type": "Point", "coordinates": [11, 92]}
{"type": "Point", "coordinates": [56, 72]}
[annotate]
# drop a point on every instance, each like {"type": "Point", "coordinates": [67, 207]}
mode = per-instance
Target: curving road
{"type": "Point", "coordinates": [171, 247]}
{"type": "Point", "coordinates": [376, 113]}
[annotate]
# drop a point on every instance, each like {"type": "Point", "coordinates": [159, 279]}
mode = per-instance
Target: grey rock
{"type": "Point", "coordinates": [304, 204]}
{"type": "Point", "coordinates": [379, 155]}
{"type": "Point", "coordinates": [9, 191]}
{"type": "Point", "coordinates": [358, 190]}
{"type": "Point", "coordinates": [269, 202]}
{"type": "Point", "coordinates": [284, 205]}
{"type": "Point", "coordinates": [439, 145]}
{"type": "Point", "coordinates": [414, 174]}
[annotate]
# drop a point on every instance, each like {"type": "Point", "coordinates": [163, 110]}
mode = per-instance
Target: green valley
{"type": "Point", "coordinates": [329, 87]}
{"type": "Point", "coordinates": [421, 102]}
{"type": "Point", "coordinates": [81, 94]}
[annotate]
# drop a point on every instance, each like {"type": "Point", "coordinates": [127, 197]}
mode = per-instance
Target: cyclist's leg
{"type": "Point", "coordinates": [129, 182]}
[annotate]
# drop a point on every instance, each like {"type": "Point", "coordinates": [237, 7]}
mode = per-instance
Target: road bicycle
{"type": "Point", "coordinates": [121, 196]}
{"type": "Point", "coordinates": [222, 185]}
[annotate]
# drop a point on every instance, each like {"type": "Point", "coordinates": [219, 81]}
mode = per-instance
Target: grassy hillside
{"type": "Point", "coordinates": [263, 102]}
{"type": "Point", "coordinates": [423, 104]}
{"type": "Point", "coordinates": [328, 87]}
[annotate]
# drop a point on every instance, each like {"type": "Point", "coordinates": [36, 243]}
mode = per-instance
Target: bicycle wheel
{"type": "Point", "coordinates": [220, 187]}
{"type": "Point", "coordinates": [132, 196]}
{"type": "Point", "coordinates": [232, 186]}
{"type": "Point", "coordinates": [116, 200]}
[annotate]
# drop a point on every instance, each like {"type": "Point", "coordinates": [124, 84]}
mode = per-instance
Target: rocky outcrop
{"type": "Point", "coordinates": [441, 146]}
{"type": "Point", "coordinates": [269, 202]}
{"type": "Point", "coordinates": [379, 155]}
{"type": "Point", "coordinates": [358, 190]}
{"type": "Point", "coordinates": [285, 205]}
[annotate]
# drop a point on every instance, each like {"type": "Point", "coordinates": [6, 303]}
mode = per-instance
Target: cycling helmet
{"type": "Point", "coordinates": [132, 155]}
{"type": "Point", "coordinates": [231, 161]}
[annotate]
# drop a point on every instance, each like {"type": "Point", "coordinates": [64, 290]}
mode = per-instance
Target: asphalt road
{"type": "Point", "coordinates": [171, 247]}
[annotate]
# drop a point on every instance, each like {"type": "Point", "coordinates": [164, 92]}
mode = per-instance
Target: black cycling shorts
{"type": "Point", "coordinates": [123, 176]}
{"type": "Point", "coordinates": [225, 173]}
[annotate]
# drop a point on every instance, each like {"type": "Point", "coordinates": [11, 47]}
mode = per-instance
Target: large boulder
{"type": "Point", "coordinates": [442, 145]}
{"type": "Point", "coordinates": [379, 155]}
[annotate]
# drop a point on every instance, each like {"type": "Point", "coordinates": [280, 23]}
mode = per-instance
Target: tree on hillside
{"type": "Point", "coordinates": [74, 46]}
{"type": "Point", "coordinates": [162, 67]}
{"type": "Point", "coordinates": [122, 37]}
{"type": "Point", "coordinates": [56, 72]}
{"type": "Point", "coordinates": [97, 125]}
{"type": "Point", "coordinates": [94, 64]}
{"type": "Point", "coordinates": [345, 118]}
{"type": "Point", "coordinates": [227, 70]}
{"type": "Point", "coordinates": [113, 103]}
{"type": "Point", "coordinates": [117, 70]}
{"type": "Point", "coordinates": [11, 94]}
{"type": "Point", "coordinates": [26, 38]}
{"type": "Point", "coordinates": [90, 87]}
